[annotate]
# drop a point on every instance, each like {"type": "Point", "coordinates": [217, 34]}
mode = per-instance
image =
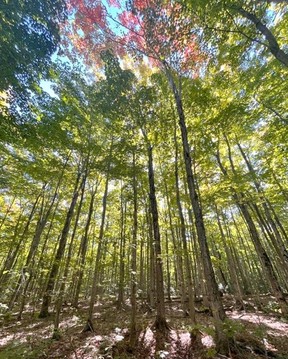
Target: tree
{"type": "Point", "coordinates": [213, 216]}
{"type": "Point", "coordinates": [174, 51]}
{"type": "Point", "coordinates": [242, 23]}
{"type": "Point", "coordinates": [30, 35]}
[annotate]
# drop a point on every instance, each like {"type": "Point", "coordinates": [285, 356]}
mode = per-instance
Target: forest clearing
{"type": "Point", "coordinates": [143, 179]}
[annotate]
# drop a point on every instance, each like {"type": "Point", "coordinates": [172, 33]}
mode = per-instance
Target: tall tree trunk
{"type": "Point", "coordinates": [234, 277]}
{"type": "Point", "coordinates": [275, 246]}
{"type": "Point", "coordinates": [97, 268]}
{"type": "Point", "coordinates": [44, 312]}
{"type": "Point", "coordinates": [61, 294]}
{"type": "Point", "coordinates": [8, 210]}
{"type": "Point", "coordinates": [160, 324]}
{"type": "Point", "coordinates": [83, 250]}
{"type": "Point", "coordinates": [11, 257]}
{"type": "Point", "coordinates": [142, 267]}
{"type": "Point", "coordinates": [188, 269]}
{"type": "Point", "coordinates": [216, 306]}
{"type": "Point", "coordinates": [266, 262]}
{"type": "Point", "coordinates": [75, 227]}
{"type": "Point", "coordinates": [132, 336]}
{"type": "Point", "coordinates": [41, 280]}
{"type": "Point", "coordinates": [260, 250]}
{"type": "Point", "coordinates": [178, 260]}
{"type": "Point", "coordinates": [29, 265]}
{"type": "Point", "coordinates": [150, 274]}
{"type": "Point", "coordinates": [248, 284]}
{"type": "Point", "coordinates": [13, 251]}
{"type": "Point", "coordinates": [168, 275]}
{"type": "Point", "coordinates": [272, 231]}
{"type": "Point", "coordinates": [120, 299]}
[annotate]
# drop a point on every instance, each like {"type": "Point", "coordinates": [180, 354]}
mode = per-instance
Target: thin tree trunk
{"type": "Point", "coordinates": [168, 275]}
{"type": "Point", "coordinates": [7, 212]}
{"type": "Point", "coordinates": [278, 248]}
{"type": "Point", "coordinates": [232, 269]}
{"type": "Point", "coordinates": [188, 269]}
{"type": "Point", "coordinates": [142, 278]}
{"type": "Point", "coordinates": [41, 282]}
{"type": "Point", "coordinates": [13, 251]}
{"type": "Point", "coordinates": [12, 256]}
{"type": "Point", "coordinates": [29, 265]}
{"type": "Point", "coordinates": [75, 227]}
{"type": "Point", "coordinates": [160, 324]}
{"type": "Point", "coordinates": [120, 299]}
{"type": "Point", "coordinates": [97, 268]}
{"type": "Point", "coordinates": [61, 293]}
{"type": "Point", "coordinates": [264, 258]}
{"type": "Point", "coordinates": [44, 312]}
{"type": "Point", "coordinates": [132, 335]}
{"type": "Point", "coordinates": [273, 233]}
{"type": "Point", "coordinates": [249, 286]}
{"type": "Point", "coordinates": [83, 250]}
{"type": "Point", "coordinates": [150, 262]}
{"type": "Point", "coordinates": [25, 275]}
{"type": "Point", "coordinates": [212, 288]}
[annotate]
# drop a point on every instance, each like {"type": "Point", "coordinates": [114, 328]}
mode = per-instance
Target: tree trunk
{"type": "Point", "coordinates": [44, 312]}
{"type": "Point", "coordinates": [97, 268]}
{"type": "Point", "coordinates": [168, 275]}
{"type": "Point", "coordinates": [29, 265]}
{"type": "Point", "coordinates": [8, 210]}
{"type": "Point", "coordinates": [132, 336]}
{"type": "Point", "coordinates": [264, 258]}
{"type": "Point", "coordinates": [212, 288]}
{"type": "Point", "coordinates": [268, 222]}
{"type": "Point", "coordinates": [11, 257]}
{"type": "Point", "coordinates": [273, 45]}
{"type": "Point", "coordinates": [234, 277]}
{"type": "Point", "coordinates": [160, 324]}
{"type": "Point", "coordinates": [61, 294]}
{"type": "Point", "coordinates": [150, 262]}
{"type": "Point", "coordinates": [120, 299]}
{"type": "Point", "coordinates": [83, 250]}
{"type": "Point", "coordinates": [188, 270]}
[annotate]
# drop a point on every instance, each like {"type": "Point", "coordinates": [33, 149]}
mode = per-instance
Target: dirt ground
{"type": "Point", "coordinates": [254, 333]}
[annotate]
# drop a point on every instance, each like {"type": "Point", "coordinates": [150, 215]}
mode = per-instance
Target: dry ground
{"type": "Point", "coordinates": [254, 334]}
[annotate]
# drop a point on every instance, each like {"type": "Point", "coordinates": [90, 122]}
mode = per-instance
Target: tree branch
{"type": "Point", "coordinates": [273, 45]}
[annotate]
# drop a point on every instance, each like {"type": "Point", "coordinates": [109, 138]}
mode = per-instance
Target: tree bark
{"type": "Point", "coordinates": [160, 324]}
{"type": "Point", "coordinates": [188, 270]}
{"type": "Point", "coordinates": [273, 45]}
{"type": "Point", "coordinates": [260, 250]}
{"type": "Point", "coordinates": [266, 219]}
{"type": "Point", "coordinates": [83, 250]}
{"type": "Point", "coordinates": [216, 306]}
{"type": "Point", "coordinates": [132, 334]}
{"type": "Point", "coordinates": [120, 299]}
{"type": "Point", "coordinates": [97, 268]}
{"type": "Point", "coordinates": [234, 277]}
{"type": "Point", "coordinates": [42, 221]}
{"type": "Point", "coordinates": [44, 312]}
{"type": "Point", "coordinates": [11, 257]}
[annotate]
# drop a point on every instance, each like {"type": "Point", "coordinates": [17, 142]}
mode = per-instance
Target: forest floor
{"type": "Point", "coordinates": [254, 334]}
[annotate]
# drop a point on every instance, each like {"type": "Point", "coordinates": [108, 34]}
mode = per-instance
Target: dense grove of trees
{"type": "Point", "coordinates": [155, 165]}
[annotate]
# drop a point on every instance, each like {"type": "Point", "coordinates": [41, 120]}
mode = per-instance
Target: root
{"type": "Point", "coordinates": [88, 327]}
{"type": "Point", "coordinates": [161, 325]}
{"type": "Point", "coordinates": [56, 334]}
{"type": "Point", "coordinates": [43, 314]}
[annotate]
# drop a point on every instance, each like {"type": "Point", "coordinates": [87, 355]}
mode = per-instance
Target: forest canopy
{"type": "Point", "coordinates": [143, 163]}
